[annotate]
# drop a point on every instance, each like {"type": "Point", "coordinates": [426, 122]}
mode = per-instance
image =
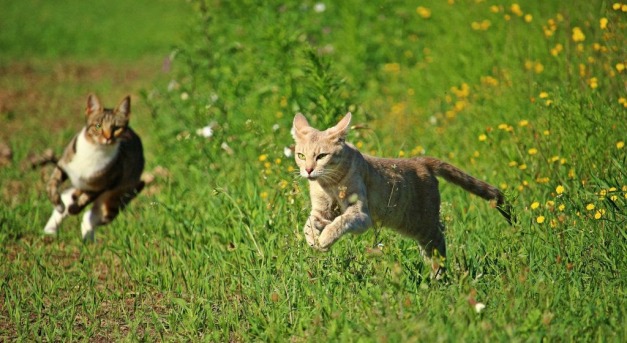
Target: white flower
{"type": "Point", "coordinates": [275, 127]}
{"type": "Point", "coordinates": [206, 131]}
{"type": "Point", "coordinates": [479, 307]}
{"type": "Point", "coordinates": [287, 152]}
{"type": "Point", "coordinates": [184, 96]}
{"type": "Point", "coordinates": [172, 85]}
{"type": "Point", "coordinates": [319, 7]}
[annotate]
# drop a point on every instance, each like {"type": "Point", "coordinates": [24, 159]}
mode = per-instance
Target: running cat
{"type": "Point", "coordinates": [104, 163]}
{"type": "Point", "coordinates": [350, 192]}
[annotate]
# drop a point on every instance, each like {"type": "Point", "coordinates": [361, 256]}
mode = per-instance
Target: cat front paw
{"type": "Point", "coordinates": [311, 234]}
{"type": "Point", "coordinates": [326, 240]}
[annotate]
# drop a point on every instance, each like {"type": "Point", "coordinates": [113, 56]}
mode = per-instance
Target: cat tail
{"type": "Point", "coordinates": [471, 184]}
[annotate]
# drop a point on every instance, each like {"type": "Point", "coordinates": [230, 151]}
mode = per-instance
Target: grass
{"type": "Point", "coordinates": [212, 250]}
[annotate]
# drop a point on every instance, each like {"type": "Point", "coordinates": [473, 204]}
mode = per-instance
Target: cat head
{"type": "Point", "coordinates": [106, 126]}
{"type": "Point", "coordinates": [319, 154]}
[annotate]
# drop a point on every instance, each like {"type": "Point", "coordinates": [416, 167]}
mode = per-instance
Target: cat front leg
{"type": "Point", "coordinates": [313, 228]}
{"type": "Point", "coordinates": [349, 222]}
{"type": "Point", "coordinates": [57, 216]}
{"type": "Point", "coordinates": [80, 199]}
{"type": "Point", "coordinates": [57, 177]}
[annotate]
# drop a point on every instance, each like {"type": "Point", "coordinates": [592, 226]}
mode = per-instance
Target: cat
{"type": "Point", "coordinates": [104, 163]}
{"type": "Point", "coordinates": [351, 192]}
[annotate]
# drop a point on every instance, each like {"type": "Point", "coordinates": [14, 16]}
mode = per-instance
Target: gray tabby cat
{"type": "Point", "coordinates": [350, 192]}
{"type": "Point", "coordinates": [104, 163]}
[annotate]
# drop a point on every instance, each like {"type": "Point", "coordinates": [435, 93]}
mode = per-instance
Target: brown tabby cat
{"type": "Point", "coordinates": [104, 163]}
{"type": "Point", "coordinates": [350, 192]}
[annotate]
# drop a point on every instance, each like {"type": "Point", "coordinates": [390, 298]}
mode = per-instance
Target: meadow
{"type": "Point", "coordinates": [530, 97]}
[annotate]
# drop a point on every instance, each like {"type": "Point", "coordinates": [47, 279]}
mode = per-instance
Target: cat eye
{"type": "Point", "coordinates": [98, 126]}
{"type": "Point", "coordinates": [301, 156]}
{"type": "Point", "coordinates": [321, 156]}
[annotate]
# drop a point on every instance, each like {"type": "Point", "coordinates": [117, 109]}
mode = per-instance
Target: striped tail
{"type": "Point", "coordinates": [471, 184]}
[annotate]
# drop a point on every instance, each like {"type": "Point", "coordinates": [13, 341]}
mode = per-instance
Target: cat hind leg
{"type": "Point", "coordinates": [433, 248]}
{"type": "Point", "coordinates": [106, 207]}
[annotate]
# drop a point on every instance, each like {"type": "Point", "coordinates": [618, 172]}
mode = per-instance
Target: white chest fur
{"type": "Point", "coordinates": [88, 160]}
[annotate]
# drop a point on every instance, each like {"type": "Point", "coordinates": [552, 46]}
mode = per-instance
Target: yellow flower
{"type": "Point", "coordinates": [593, 82]}
{"type": "Point", "coordinates": [401, 153]}
{"type": "Point", "coordinates": [532, 151]}
{"type": "Point", "coordinates": [483, 138]}
{"type": "Point", "coordinates": [557, 49]}
{"type": "Point", "coordinates": [523, 123]}
{"type": "Point", "coordinates": [522, 166]}
{"type": "Point", "coordinates": [603, 23]}
{"type": "Point", "coordinates": [620, 145]}
{"type": "Point", "coordinates": [535, 205]}
{"type": "Point", "coordinates": [597, 215]}
{"type": "Point", "coordinates": [620, 67]}
{"type": "Point", "coordinates": [540, 219]}
{"type": "Point", "coordinates": [561, 207]}
{"type": "Point", "coordinates": [528, 18]}
{"type": "Point", "coordinates": [550, 203]}
{"type": "Point", "coordinates": [419, 150]}
{"type": "Point", "coordinates": [543, 95]}
{"type": "Point", "coordinates": [263, 195]}
{"type": "Point", "coordinates": [578, 35]}
{"type": "Point", "coordinates": [263, 157]}
{"type": "Point", "coordinates": [512, 164]}
{"type": "Point", "coordinates": [423, 12]}
{"type": "Point", "coordinates": [392, 67]}
{"type": "Point", "coordinates": [616, 6]}
{"type": "Point", "coordinates": [559, 189]}
{"type": "Point", "coordinates": [590, 207]}
{"type": "Point", "coordinates": [515, 8]}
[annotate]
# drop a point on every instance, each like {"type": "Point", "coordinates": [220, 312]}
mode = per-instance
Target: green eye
{"type": "Point", "coordinates": [321, 156]}
{"type": "Point", "coordinates": [301, 156]}
{"type": "Point", "coordinates": [98, 126]}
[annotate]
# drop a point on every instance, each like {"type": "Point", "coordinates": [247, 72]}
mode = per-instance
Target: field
{"type": "Point", "coordinates": [530, 97]}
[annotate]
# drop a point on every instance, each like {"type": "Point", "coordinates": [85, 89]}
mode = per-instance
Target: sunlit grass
{"type": "Point", "coordinates": [529, 97]}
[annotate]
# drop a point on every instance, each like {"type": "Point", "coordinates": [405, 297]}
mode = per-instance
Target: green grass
{"type": "Point", "coordinates": [213, 249]}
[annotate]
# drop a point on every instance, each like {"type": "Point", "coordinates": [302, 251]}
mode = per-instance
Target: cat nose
{"type": "Point", "coordinates": [309, 170]}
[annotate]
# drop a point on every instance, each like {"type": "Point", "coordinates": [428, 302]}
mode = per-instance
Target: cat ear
{"type": "Point", "coordinates": [93, 105]}
{"type": "Point", "coordinates": [341, 129]}
{"type": "Point", "coordinates": [300, 125]}
{"type": "Point", "coordinates": [124, 107]}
